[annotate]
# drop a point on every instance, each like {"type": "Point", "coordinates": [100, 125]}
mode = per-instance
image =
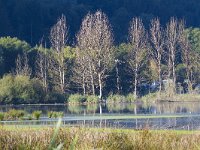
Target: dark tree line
{"type": "Point", "coordinates": [31, 20]}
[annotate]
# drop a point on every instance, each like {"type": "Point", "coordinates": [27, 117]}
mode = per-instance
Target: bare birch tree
{"type": "Point", "coordinates": [172, 38]}
{"type": "Point", "coordinates": [157, 40]}
{"type": "Point", "coordinates": [103, 54]}
{"type": "Point", "coordinates": [138, 41]}
{"type": "Point", "coordinates": [95, 37]}
{"type": "Point", "coordinates": [22, 66]}
{"type": "Point", "coordinates": [58, 38]}
{"type": "Point", "coordinates": [83, 59]}
{"type": "Point", "coordinates": [42, 67]}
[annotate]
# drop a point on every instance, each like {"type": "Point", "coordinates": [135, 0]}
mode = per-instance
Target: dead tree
{"type": "Point", "coordinates": [84, 66]}
{"type": "Point", "coordinates": [138, 41]}
{"type": "Point", "coordinates": [103, 53]}
{"type": "Point", "coordinates": [172, 38]}
{"type": "Point", "coordinates": [157, 40]}
{"type": "Point", "coordinates": [58, 38]}
{"type": "Point", "coordinates": [22, 66]}
{"type": "Point", "coordinates": [96, 40]}
{"type": "Point", "coordinates": [41, 67]}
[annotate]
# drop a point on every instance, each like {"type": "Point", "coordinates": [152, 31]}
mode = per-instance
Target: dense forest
{"type": "Point", "coordinates": [52, 49]}
{"type": "Point", "coordinates": [31, 20]}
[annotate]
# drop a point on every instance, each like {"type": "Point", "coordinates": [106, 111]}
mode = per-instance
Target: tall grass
{"type": "Point", "coordinates": [76, 99]}
{"type": "Point", "coordinates": [116, 98]}
{"type": "Point", "coordinates": [84, 138]}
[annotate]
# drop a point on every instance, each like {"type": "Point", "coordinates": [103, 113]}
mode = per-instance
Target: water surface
{"type": "Point", "coordinates": [177, 115]}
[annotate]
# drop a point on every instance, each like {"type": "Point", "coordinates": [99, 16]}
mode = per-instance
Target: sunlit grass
{"type": "Point", "coordinates": [27, 138]}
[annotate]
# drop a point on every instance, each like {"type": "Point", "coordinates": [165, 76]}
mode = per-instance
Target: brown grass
{"type": "Point", "coordinates": [108, 139]}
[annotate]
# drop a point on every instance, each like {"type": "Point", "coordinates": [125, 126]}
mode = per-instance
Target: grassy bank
{"type": "Point", "coordinates": [109, 139]}
{"type": "Point", "coordinates": [164, 97]}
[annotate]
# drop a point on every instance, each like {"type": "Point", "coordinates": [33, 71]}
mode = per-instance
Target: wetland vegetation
{"type": "Point", "coordinates": [89, 138]}
{"type": "Point", "coordinates": [101, 66]}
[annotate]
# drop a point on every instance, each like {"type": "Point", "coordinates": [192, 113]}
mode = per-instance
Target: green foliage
{"type": "Point", "coordinates": [1, 61]}
{"type": "Point", "coordinates": [122, 50]}
{"type": "Point", "coordinates": [2, 115]}
{"type": "Point", "coordinates": [54, 114]}
{"type": "Point", "coordinates": [11, 47]}
{"type": "Point", "coordinates": [37, 114]}
{"type": "Point", "coordinates": [76, 98]}
{"type": "Point", "coordinates": [194, 38]}
{"type": "Point", "coordinates": [151, 97]}
{"type": "Point", "coordinates": [181, 73]}
{"type": "Point", "coordinates": [13, 114]}
{"type": "Point", "coordinates": [92, 99]}
{"type": "Point", "coordinates": [116, 98]}
{"type": "Point", "coordinates": [29, 117]}
{"type": "Point", "coordinates": [130, 97]}
{"type": "Point", "coordinates": [14, 44]}
{"type": "Point", "coordinates": [20, 89]}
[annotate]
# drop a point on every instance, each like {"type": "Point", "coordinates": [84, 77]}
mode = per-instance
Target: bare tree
{"type": "Point", "coordinates": [22, 66]}
{"type": "Point", "coordinates": [157, 40]}
{"type": "Point", "coordinates": [58, 38]}
{"type": "Point", "coordinates": [42, 66]}
{"type": "Point", "coordinates": [138, 41]}
{"type": "Point", "coordinates": [81, 70]}
{"type": "Point", "coordinates": [95, 39]}
{"type": "Point", "coordinates": [172, 38]}
{"type": "Point", "coordinates": [84, 63]}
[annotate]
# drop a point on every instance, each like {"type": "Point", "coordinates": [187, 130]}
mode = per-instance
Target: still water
{"type": "Point", "coordinates": [114, 115]}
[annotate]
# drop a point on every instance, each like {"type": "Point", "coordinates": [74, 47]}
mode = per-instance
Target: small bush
{"type": "Point", "coordinates": [116, 98]}
{"type": "Point", "coordinates": [76, 98]}
{"type": "Point", "coordinates": [15, 114]}
{"type": "Point", "coordinates": [29, 117]}
{"type": "Point", "coordinates": [58, 114]}
{"type": "Point", "coordinates": [54, 114]}
{"type": "Point", "coordinates": [150, 97]}
{"type": "Point", "coordinates": [2, 115]}
{"type": "Point", "coordinates": [130, 98]}
{"type": "Point", "coordinates": [92, 99]}
{"type": "Point", "coordinates": [50, 114]}
{"type": "Point", "coordinates": [37, 114]}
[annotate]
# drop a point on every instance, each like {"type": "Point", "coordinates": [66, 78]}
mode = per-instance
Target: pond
{"type": "Point", "coordinates": [176, 115]}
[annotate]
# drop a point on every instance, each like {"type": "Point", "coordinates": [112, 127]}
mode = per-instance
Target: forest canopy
{"type": "Point", "coordinates": [31, 20]}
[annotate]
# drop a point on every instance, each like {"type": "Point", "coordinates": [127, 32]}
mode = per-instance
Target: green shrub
{"type": "Point", "coordinates": [54, 114]}
{"type": "Point", "coordinates": [58, 114]}
{"type": "Point", "coordinates": [37, 114]}
{"type": "Point", "coordinates": [6, 89]}
{"type": "Point", "coordinates": [92, 99]}
{"type": "Point", "coordinates": [50, 114]}
{"type": "Point", "coordinates": [130, 98]}
{"type": "Point", "coordinates": [20, 89]}
{"type": "Point", "coordinates": [76, 98]}
{"type": "Point", "coordinates": [29, 117]}
{"type": "Point", "coordinates": [15, 114]}
{"type": "Point", "coordinates": [2, 115]}
{"type": "Point", "coordinates": [150, 97]}
{"type": "Point", "coordinates": [116, 98]}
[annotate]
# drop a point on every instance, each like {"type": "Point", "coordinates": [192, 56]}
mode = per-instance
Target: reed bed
{"type": "Point", "coordinates": [27, 138]}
